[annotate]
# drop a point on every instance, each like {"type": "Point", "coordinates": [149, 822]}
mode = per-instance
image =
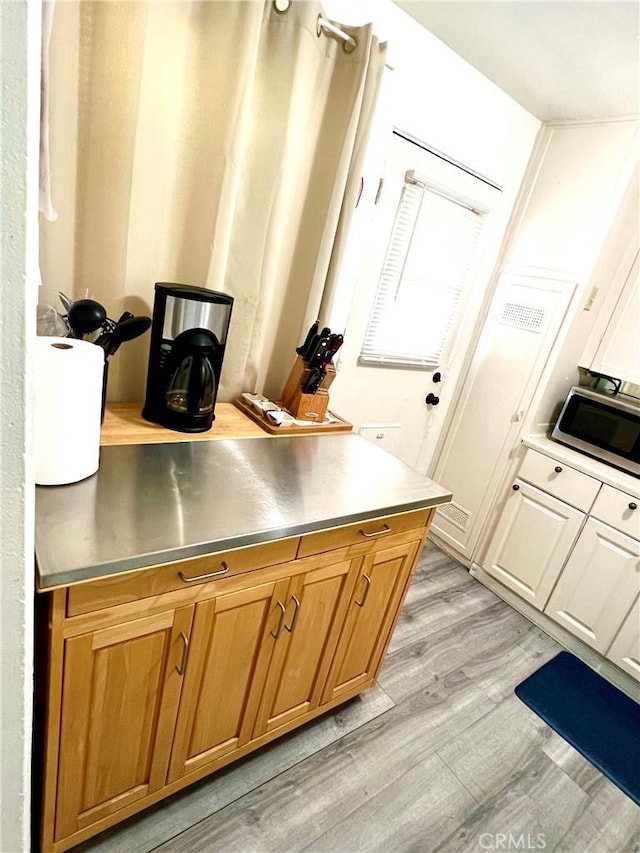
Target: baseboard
{"type": "Point", "coordinates": [448, 549]}
{"type": "Point", "coordinates": [572, 644]}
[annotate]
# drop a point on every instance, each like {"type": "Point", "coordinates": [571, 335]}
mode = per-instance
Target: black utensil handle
{"type": "Point", "coordinates": [313, 331]}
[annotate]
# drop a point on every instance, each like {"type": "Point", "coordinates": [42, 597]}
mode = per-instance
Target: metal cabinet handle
{"type": "Point", "coordinates": [180, 668]}
{"type": "Point", "coordinates": [558, 469]}
{"type": "Point", "coordinates": [367, 580]}
{"type": "Point", "coordinates": [290, 628]}
{"type": "Point", "coordinates": [278, 630]}
{"type": "Point", "coordinates": [633, 505]}
{"type": "Point", "coordinates": [515, 487]}
{"type": "Point", "coordinates": [223, 571]}
{"type": "Point", "coordinates": [386, 529]}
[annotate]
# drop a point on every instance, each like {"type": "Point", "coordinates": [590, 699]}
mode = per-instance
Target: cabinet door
{"type": "Point", "coordinates": [532, 542]}
{"type": "Point", "coordinates": [598, 585]}
{"type": "Point", "coordinates": [316, 604]}
{"type": "Point", "coordinates": [121, 689]}
{"type": "Point", "coordinates": [625, 649]}
{"type": "Point", "coordinates": [232, 641]}
{"type": "Point", "coordinates": [619, 351]}
{"type": "Point", "coordinates": [371, 615]}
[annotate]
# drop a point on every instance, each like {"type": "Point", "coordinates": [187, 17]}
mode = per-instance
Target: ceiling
{"type": "Point", "coordinates": [559, 60]}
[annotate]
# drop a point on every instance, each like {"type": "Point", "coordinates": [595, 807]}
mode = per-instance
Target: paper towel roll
{"type": "Point", "coordinates": [68, 398]}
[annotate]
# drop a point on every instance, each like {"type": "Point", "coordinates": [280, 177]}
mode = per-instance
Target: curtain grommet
{"type": "Point", "coordinates": [350, 45]}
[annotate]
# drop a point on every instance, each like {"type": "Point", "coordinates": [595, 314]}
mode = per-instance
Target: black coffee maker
{"type": "Point", "coordinates": [188, 338]}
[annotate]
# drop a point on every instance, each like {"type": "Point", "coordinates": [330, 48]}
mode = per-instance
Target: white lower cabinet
{"type": "Point", "coordinates": [569, 544]}
{"type": "Point", "coordinates": [625, 649]}
{"type": "Point", "coordinates": [600, 580]}
{"type": "Point", "coordinates": [532, 542]}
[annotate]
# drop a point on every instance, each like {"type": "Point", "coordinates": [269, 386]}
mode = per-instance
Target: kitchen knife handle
{"type": "Point", "coordinates": [223, 571]}
{"type": "Point", "coordinates": [278, 630]}
{"type": "Point", "coordinates": [334, 345]}
{"type": "Point", "coordinates": [180, 668]}
{"type": "Point", "coordinates": [386, 529]}
{"type": "Point", "coordinates": [313, 331]}
{"type": "Point", "coordinates": [367, 580]}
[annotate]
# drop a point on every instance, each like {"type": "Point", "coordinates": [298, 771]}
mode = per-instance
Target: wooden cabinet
{"type": "Point", "coordinates": [305, 640]}
{"type": "Point", "coordinates": [119, 703]}
{"type": "Point", "coordinates": [148, 695]}
{"type": "Point", "coordinates": [371, 616]}
{"type": "Point", "coordinates": [598, 584]}
{"type": "Point", "coordinates": [532, 542]}
{"type": "Point", "coordinates": [229, 651]}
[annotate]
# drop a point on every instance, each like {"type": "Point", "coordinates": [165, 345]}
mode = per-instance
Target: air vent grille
{"type": "Point", "coordinates": [456, 515]}
{"type": "Point", "coordinates": [522, 316]}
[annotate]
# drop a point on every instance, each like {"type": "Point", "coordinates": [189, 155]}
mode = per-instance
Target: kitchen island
{"type": "Point", "coordinates": [206, 597]}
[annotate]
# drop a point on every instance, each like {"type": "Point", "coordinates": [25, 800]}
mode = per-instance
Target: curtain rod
{"type": "Point", "coordinates": [349, 42]}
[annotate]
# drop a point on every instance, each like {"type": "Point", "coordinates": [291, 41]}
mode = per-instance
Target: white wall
{"type": "Point", "coordinates": [436, 96]}
{"type": "Point", "coordinates": [20, 86]}
{"type": "Point", "coordinates": [578, 217]}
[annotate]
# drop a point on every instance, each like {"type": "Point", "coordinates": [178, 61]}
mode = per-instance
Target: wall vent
{"type": "Point", "coordinates": [458, 516]}
{"type": "Point", "coordinates": [522, 316]}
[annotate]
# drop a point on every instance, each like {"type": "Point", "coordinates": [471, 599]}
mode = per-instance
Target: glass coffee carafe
{"type": "Point", "coordinates": [191, 389]}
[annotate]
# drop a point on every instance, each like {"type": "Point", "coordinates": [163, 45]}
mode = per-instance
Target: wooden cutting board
{"type": "Point", "coordinates": [124, 424]}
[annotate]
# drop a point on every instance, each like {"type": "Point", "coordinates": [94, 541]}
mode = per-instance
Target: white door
{"type": "Point", "coordinates": [376, 394]}
{"type": "Point", "coordinates": [598, 585]}
{"type": "Point", "coordinates": [517, 337]}
{"type": "Point", "coordinates": [532, 542]}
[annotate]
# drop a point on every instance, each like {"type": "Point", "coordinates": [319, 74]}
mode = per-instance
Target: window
{"type": "Point", "coordinates": [430, 260]}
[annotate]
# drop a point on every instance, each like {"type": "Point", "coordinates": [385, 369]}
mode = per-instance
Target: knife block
{"type": "Point", "coordinates": [308, 407]}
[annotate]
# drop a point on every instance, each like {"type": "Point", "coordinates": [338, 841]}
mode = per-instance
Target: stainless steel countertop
{"type": "Point", "coordinates": [152, 503]}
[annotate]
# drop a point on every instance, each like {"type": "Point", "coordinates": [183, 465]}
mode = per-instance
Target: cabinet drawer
{"type": "Point", "coordinates": [364, 531]}
{"type": "Point", "coordinates": [85, 598]}
{"type": "Point", "coordinates": [618, 509]}
{"type": "Point", "coordinates": [557, 479]}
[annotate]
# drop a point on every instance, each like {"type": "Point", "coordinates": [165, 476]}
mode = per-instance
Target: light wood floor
{"type": "Point", "coordinates": [441, 756]}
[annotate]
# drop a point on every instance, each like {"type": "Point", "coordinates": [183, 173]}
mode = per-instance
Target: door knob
{"type": "Point", "coordinates": [431, 400]}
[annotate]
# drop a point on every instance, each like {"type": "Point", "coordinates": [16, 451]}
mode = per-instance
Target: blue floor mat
{"type": "Point", "coordinates": [595, 717]}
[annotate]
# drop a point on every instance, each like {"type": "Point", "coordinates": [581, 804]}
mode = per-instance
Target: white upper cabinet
{"type": "Point", "coordinates": [618, 352]}
{"type": "Point", "coordinates": [567, 208]}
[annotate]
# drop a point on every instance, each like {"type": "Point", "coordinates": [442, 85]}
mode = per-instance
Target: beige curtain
{"type": "Point", "coordinates": [218, 144]}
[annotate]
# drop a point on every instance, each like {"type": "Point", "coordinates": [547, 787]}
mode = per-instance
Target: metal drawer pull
{"type": "Point", "coordinates": [180, 668]}
{"type": "Point", "coordinates": [223, 571]}
{"type": "Point", "coordinates": [385, 529]}
{"type": "Point", "coordinates": [366, 591]}
{"type": "Point", "coordinates": [290, 628]}
{"type": "Point", "coordinates": [633, 505]}
{"type": "Point", "coordinates": [558, 469]}
{"type": "Point", "coordinates": [515, 487]}
{"type": "Point", "coordinates": [278, 630]}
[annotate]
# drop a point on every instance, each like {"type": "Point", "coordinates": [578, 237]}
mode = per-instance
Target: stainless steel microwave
{"type": "Point", "coordinates": [607, 428]}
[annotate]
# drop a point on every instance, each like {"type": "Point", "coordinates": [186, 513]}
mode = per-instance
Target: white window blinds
{"type": "Point", "coordinates": [430, 259]}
